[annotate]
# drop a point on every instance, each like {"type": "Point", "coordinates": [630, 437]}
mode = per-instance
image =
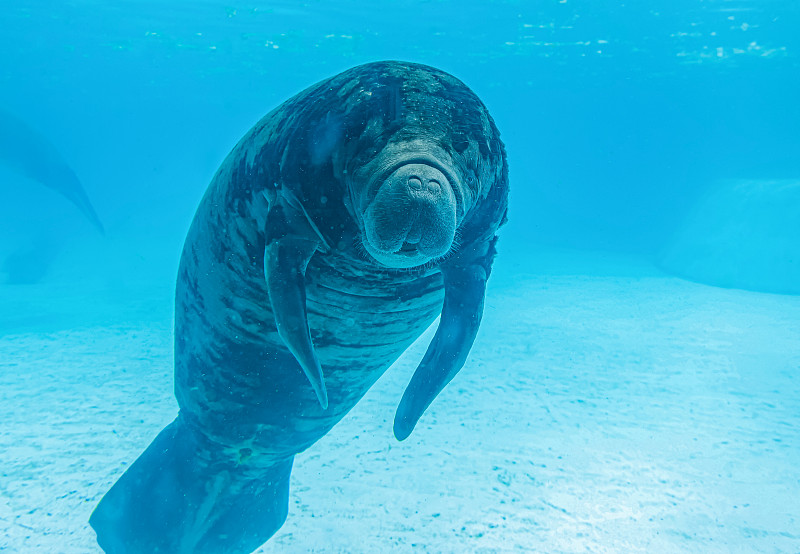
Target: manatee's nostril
{"type": "Point", "coordinates": [414, 236]}
{"type": "Point", "coordinates": [415, 183]}
{"type": "Point", "coordinates": [434, 186]}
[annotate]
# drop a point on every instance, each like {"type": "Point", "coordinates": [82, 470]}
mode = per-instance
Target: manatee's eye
{"type": "Point", "coordinates": [460, 142]}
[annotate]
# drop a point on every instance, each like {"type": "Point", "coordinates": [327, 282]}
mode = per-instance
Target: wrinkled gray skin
{"type": "Point", "coordinates": [30, 153]}
{"type": "Point", "coordinates": [335, 232]}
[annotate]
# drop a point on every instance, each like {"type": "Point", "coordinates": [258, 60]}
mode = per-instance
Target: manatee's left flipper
{"type": "Point", "coordinates": [464, 292]}
{"type": "Point", "coordinates": [291, 240]}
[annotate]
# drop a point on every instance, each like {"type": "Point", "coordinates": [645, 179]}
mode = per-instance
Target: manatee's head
{"type": "Point", "coordinates": [409, 211]}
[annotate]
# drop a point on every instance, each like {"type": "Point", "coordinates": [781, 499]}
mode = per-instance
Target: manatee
{"type": "Point", "coordinates": [331, 237]}
{"type": "Point", "coordinates": [28, 152]}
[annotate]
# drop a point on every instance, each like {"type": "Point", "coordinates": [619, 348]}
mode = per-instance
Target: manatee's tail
{"type": "Point", "coordinates": [172, 500]}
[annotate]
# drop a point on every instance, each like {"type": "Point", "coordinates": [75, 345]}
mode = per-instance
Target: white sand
{"type": "Point", "coordinates": [605, 408]}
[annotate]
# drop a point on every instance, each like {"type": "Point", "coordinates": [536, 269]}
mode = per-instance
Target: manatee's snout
{"type": "Point", "coordinates": [412, 217]}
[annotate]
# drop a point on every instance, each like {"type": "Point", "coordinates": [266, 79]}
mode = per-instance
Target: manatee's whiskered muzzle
{"type": "Point", "coordinates": [412, 218]}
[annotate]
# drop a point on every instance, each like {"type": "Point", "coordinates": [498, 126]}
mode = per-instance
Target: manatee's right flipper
{"type": "Point", "coordinates": [27, 151]}
{"type": "Point", "coordinates": [291, 240]}
{"type": "Point", "coordinates": [181, 496]}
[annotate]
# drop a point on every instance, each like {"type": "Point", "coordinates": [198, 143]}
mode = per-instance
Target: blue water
{"type": "Point", "coordinates": [646, 140]}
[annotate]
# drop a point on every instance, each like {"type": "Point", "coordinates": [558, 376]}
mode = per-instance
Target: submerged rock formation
{"type": "Point", "coordinates": [741, 234]}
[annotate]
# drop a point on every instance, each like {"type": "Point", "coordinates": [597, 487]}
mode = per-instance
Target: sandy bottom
{"type": "Point", "coordinates": [605, 408]}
